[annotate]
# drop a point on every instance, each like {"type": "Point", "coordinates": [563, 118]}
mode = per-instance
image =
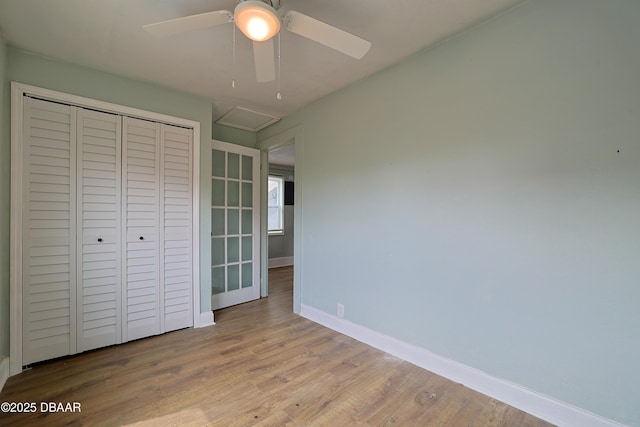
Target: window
{"type": "Point", "coordinates": [275, 205]}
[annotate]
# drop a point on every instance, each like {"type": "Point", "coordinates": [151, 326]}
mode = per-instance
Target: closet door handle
{"type": "Point", "coordinates": [141, 237]}
{"type": "Point", "coordinates": [100, 239]}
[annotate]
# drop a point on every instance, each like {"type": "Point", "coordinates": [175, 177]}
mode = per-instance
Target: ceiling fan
{"type": "Point", "coordinates": [260, 21]}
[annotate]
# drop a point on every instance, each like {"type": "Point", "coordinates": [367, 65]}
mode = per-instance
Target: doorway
{"type": "Point", "coordinates": [284, 149]}
{"type": "Point", "coordinates": [280, 206]}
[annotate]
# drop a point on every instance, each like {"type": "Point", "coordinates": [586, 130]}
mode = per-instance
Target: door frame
{"type": "Point", "coordinates": [293, 135]}
{"type": "Point", "coordinates": [18, 91]}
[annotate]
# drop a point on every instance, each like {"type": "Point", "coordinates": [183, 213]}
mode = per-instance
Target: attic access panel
{"type": "Point", "coordinates": [243, 118]}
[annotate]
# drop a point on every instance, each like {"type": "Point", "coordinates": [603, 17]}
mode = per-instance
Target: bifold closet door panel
{"type": "Point", "coordinates": [141, 304]}
{"type": "Point", "coordinates": [176, 215]}
{"type": "Point", "coordinates": [49, 238]}
{"type": "Point", "coordinates": [99, 227]}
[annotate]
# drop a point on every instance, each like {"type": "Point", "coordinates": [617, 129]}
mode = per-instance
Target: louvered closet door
{"type": "Point", "coordinates": [49, 240]}
{"type": "Point", "coordinates": [141, 177]}
{"type": "Point", "coordinates": [176, 201]}
{"type": "Point", "coordinates": [99, 229]}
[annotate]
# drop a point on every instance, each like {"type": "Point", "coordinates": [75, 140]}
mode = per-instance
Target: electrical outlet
{"type": "Point", "coordinates": [340, 310]}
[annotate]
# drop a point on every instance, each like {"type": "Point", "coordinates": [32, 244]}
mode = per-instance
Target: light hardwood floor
{"type": "Point", "coordinates": [260, 365]}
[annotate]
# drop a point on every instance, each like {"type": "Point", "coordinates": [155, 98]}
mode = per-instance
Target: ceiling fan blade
{"type": "Point", "coordinates": [263, 57]}
{"type": "Point", "coordinates": [326, 34]}
{"type": "Point", "coordinates": [188, 23]}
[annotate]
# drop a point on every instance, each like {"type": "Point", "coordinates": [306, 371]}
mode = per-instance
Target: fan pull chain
{"type": "Point", "coordinates": [233, 71]}
{"type": "Point", "coordinates": [279, 95]}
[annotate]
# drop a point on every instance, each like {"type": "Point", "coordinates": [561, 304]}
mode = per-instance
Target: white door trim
{"type": "Point", "coordinates": [18, 90]}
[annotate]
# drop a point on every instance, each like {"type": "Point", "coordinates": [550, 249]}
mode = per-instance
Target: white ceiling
{"type": "Point", "coordinates": [108, 35]}
{"type": "Point", "coordinates": [283, 156]}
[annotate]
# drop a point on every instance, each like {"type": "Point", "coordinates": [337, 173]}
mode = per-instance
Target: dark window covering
{"type": "Point", "coordinates": [288, 193]}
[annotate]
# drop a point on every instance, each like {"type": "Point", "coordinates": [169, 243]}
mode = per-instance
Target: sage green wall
{"type": "Point", "coordinates": [481, 200]}
{"type": "Point", "coordinates": [64, 77]}
{"type": "Point", "coordinates": [5, 187]}
{"type": "Point", "coordinates": [234, 136]}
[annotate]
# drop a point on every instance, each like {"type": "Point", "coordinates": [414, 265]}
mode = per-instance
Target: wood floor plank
{"type": "Point", "coordinates": [393, 395]}
{"type": "Point", "coordinates": [260, 365]}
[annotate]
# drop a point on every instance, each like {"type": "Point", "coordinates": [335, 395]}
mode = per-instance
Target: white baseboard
{"type": "Point", "coordinates": [4, 371]}
{"type": "Point", "coordinates": [544, 407]}
{"type": "Point", "coordinates": [206, 319]}
{"type": "Point", "coordinates": [280, 262]}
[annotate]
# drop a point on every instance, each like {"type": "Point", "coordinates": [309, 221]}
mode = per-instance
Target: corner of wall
{"type": "Point", "coordinates": [5, 182]}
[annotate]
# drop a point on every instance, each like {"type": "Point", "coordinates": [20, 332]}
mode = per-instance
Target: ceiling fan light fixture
{"type": "Point", "coordinates": [257, 20]}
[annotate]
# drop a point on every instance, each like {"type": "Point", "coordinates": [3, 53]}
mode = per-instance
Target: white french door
{"type": "Point", "coordinates": [235, 224]}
